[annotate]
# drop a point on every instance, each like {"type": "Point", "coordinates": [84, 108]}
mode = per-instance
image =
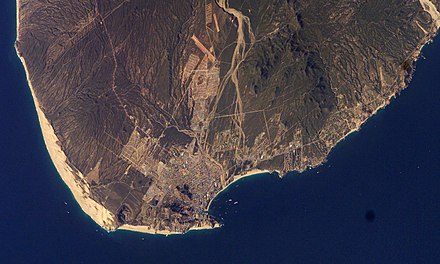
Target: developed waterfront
{"type": "Point", "coordinates": [390, 167]}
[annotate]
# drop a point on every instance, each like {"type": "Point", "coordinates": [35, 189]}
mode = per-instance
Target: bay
{"type": "Point", "coordinates": [376, 200]}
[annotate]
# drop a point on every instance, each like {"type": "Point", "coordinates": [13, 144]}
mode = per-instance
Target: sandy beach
{"type": "Point", "coordinates": [79, 186]}
{"type": "Point", "coordinates": [148, 230]}
{"type": "Point", "coordinates": [237, 178]}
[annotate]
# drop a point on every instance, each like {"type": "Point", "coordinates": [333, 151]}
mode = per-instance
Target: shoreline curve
{"type": "Point", "coordinates": [80, 189]}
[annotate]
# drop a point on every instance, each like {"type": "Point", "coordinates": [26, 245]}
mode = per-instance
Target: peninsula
{"type": "Point", "coordinates": [150, 108]}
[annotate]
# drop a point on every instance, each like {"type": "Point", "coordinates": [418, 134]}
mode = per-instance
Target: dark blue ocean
{"type": "Point", "coordinates": [377, 199]}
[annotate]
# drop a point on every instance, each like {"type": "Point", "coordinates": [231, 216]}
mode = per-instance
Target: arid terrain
{"type": "Point", "coordinates": [150, 108]}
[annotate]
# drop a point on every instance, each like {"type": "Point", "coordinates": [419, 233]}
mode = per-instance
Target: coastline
{"type": "Point", "coordinates": [80, 188]}
{"type": "Point", "coordinates": [435, 15]}
{"type": "Point", "coordinates": [237, 178]}
{"type": "Point", "coordinates": [148, 230]}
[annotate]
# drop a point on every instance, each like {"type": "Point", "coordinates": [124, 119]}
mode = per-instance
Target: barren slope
{"type": "Point", "coordinates": [158, 105]}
